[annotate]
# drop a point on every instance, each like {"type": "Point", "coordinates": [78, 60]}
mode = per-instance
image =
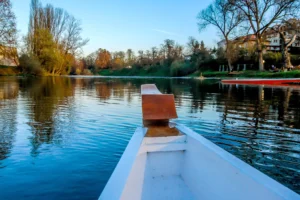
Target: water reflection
{"type": "Point", "coordinates": [48, 123]}
{"type": "Point", "coordinates": [8, 113]}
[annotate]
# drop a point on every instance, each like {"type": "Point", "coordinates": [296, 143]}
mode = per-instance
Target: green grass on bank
{"type": "Point", "coordinates": [164, 71]}
{"type": "Point", "coordinates": [249, 74]}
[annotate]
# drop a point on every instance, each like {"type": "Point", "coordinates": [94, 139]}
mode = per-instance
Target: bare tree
{"type": "Point", "coordinates": [169, 45]}
{"type": "Point", "coordinates": [72, 41]}
{"type": "Point", "coordinates": [130, 56]}
{"type": "Point", "coordinates": [225, 18]}
{"type": "Point", "coordinates": [154, 53]}
{"type": "Point", "coordinates": [193, 45]}
{"type": "Point", "coordinates": [8, 30]}
{"type": "Point", "coordinates": [288, 32]}
{"type": "Point", "coordinates": [262, 14]}
{"type": "Point", "coordinates": [178, 51]}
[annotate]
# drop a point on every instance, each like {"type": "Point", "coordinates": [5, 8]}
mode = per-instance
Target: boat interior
{"type": "Point", "coordinates": [181, 167]}
{"type": "Point", "coordinates": [164, 160]}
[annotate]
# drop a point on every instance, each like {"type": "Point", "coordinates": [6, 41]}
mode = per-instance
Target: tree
{"type": "Point", "coordinates": [103, 59]}
{"type": "Point", "coordinates": [225, 18]}
{"type": "Point", "coordinates": [154, 52]}
{"type": "Point", "coordinates": [140, 56]}
{"type": "Point", "coordinates": [54, 37]}
{"type": "Point", "coordinates": [193, 45]}
{"type": "Point", "coordinates": [118, 60]}
{"type": "Point", "coordinates": [178, 51]}
{"type": "Point", "coordinates": [8, 30]}
{"type": "Point", "coordinates": [202, 46]}
{"type": "Point", "coordinates": [130, 57]}
{"type": "Point", "coordinates": [261, 15]}
{"type": "Point", "coordinates": [169, 45]}
{"type": "Point", "coordinates": [293, 27]}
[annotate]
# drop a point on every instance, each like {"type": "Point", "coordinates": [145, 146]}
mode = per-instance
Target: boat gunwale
{"type": "Point", "coordinates": [242, 166]}
{"type": "Point", "coordinates": [114, 188]}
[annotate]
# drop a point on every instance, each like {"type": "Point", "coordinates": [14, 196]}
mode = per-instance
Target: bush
{"type": "Point", "coordinates": [182, 68]}
{"type": "Point", "coordinates": [272, 58]}
{"type": "Point", "coordinates": [86, 72]}
{"type": "Point", "coordinates": [30, 65]}
{"type": "Point", "coordinates": [295, 60]}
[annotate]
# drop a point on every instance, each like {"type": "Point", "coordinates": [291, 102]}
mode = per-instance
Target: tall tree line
{"type": "Point", "coordinates": [165, 55]}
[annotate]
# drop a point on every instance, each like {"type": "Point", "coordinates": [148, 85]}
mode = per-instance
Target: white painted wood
{"type": "Point", "coordinates": [164, 140]}
{"type": "Point", "coordinates": [187, 167]}
{"type": "Point", "coordinates": [213, 173]}
{"type": "Point", "coordinates": [118, 179]}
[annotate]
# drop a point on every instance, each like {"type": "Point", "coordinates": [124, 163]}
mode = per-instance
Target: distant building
{"type": "Point", "coordinates": [247, 41]}
{"type": "Point", "coordinates": [8, 56]}
{"type": "Point", "coordinates": [275, 41]}
{"type": "Point", "coordinates": [271, 41]}
{"type": "Point", "coordinates": [187, 57]}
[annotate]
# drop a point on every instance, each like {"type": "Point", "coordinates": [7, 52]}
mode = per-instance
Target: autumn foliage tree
{"type": "Point", "coordinates": [54, 38]}
{"type": "Point", "coordinates": [103, 59]}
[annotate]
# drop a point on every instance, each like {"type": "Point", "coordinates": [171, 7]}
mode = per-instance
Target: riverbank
{"type": "Point", "coordinates": [249, 74]}
{"type": "Point", "coordinates": [165, 72]}
{"type": "Point", "coordinates": [9, 71]}
{"type": "Point", "coordinates": [211, 74]}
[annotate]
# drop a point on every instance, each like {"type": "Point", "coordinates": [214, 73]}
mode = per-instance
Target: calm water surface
{"type": "Point", "coordinates": [61, 137]}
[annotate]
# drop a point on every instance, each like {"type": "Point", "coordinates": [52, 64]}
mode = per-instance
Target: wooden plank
{"type": "Point", "coordinates": [157, 106]}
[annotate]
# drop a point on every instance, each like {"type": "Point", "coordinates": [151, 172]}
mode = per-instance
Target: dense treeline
{"type": "Point", "coordinates": [174, 58]}
{"type": "Point", "coordinates": [53, 44]}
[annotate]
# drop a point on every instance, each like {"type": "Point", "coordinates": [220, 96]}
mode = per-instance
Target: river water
{"type": "Point", "coordinates": [61, 137]}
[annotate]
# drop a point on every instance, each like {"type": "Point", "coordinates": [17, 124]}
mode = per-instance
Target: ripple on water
{"type": "Point", "coordinates": [64, 136]}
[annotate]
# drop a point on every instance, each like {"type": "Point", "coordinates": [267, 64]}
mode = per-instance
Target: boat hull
{"type": "Point", "coordinates": [187, 166]}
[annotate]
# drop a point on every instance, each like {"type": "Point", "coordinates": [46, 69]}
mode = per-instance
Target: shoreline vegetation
{"type": "Point", "coordinates": [206, 74]}
{"type": "Point", "coordinates": [53, 45]}
{"type": "Point", "coordinates": [153, 72]}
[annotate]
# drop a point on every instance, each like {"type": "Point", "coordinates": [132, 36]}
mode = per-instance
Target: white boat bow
{"type": "Point", "coordinates": [174, 162]}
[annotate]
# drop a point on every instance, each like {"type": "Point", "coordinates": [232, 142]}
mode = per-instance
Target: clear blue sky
{"type": "Point", "coordinates": [122, 24]}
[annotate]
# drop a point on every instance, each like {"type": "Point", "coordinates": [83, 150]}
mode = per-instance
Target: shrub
{"type": "Point", "coordinates": [272, 58]}
{"type": "Point", "coordinates": [86, 72]}
{"type": "Point", "coordinates": [295, 60]}
{"type": "Point", "coordinates": [30, 65]}
{"type": "Point", "coordinates": [182, 68]}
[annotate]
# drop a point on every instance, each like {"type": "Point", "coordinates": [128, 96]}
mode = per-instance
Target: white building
{"type": "Point", "coordinates": [275, 41]}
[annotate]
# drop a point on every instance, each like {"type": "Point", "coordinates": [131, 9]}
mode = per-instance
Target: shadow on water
{"type": "Point", "coordinates": [76, 129]}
